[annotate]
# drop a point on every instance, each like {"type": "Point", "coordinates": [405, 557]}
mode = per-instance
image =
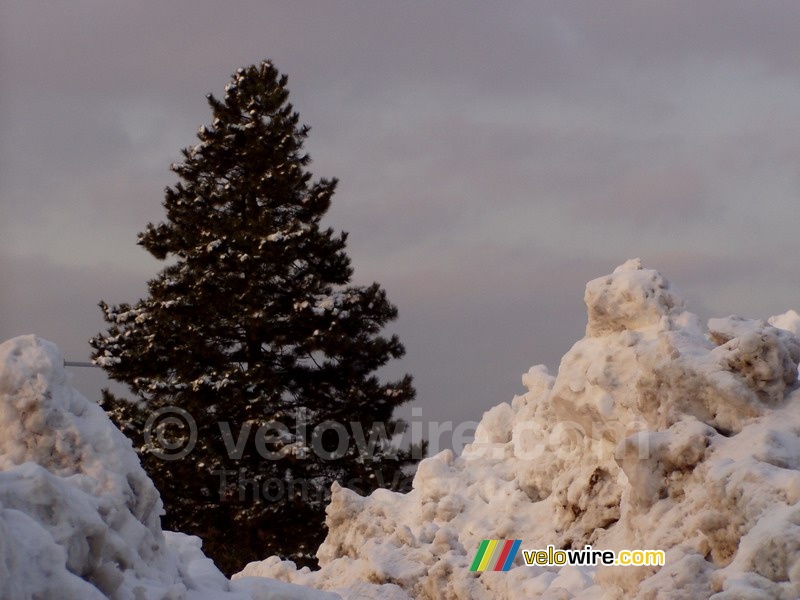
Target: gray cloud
{"type": "Point", "coordinates": [492, 158]}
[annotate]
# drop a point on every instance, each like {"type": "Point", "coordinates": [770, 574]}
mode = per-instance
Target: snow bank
{"type": "Point", "coordinates": [656, 434]}
{"type": "Point", "coordinates": [79, 518]}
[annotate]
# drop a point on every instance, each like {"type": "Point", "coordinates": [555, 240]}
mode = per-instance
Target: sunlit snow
{"type": "Point", "coordinates": [656, 433]}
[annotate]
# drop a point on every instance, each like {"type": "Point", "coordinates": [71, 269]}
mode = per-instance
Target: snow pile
{"type": "Point", "coordinates": [655, 434]}
{"type": "Point", "coordinates": [79, 518]}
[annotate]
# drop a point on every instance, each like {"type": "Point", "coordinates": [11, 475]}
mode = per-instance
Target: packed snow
{"type": "Point", "coordinates": [79, 518]}
{"type": "Point", "coordinates": [656, 433]}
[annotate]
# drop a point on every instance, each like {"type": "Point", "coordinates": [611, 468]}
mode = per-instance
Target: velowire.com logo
{"type": "Point", "coordinates": [495, 555]}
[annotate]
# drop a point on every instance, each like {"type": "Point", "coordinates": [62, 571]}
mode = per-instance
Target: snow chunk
{"type": "Point", "coordinates": [630, 298]}
{"type": "Point", "coordinates": [790, 321]}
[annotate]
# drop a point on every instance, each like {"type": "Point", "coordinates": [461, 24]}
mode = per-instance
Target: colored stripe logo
{"type": "Point", "coordinates": [495, 555]}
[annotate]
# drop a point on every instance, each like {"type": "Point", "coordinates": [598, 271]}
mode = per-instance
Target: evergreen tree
{"type": "Point", "coordinates": [254, 330]}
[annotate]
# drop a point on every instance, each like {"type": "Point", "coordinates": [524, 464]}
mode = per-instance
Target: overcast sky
{"type": "Point", "coordinates": [492, 157]}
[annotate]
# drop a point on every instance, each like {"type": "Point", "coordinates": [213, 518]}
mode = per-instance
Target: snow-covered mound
{"type": "Point", "coordinates": [79, 518]}
{"type": "Point", "coordinates": [655, 434]}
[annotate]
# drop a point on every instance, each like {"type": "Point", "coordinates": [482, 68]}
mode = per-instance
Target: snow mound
{"type": "Point", "coordinates": [79, 518]}
{"type": "Point", "coordinates": [655, 434]}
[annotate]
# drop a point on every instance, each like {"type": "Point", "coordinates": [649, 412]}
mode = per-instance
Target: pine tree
{"type": "Point", "coordinates": [254, 329]}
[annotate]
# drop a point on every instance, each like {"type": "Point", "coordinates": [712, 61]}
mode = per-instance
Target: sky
{"type": "Point", "coordinates": [492, 158]}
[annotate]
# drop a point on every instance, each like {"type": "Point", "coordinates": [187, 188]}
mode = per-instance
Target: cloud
{"type": "Point", "coordinates": [492, 158]}
{"type": "Point", "coordinates": [59, 303]}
